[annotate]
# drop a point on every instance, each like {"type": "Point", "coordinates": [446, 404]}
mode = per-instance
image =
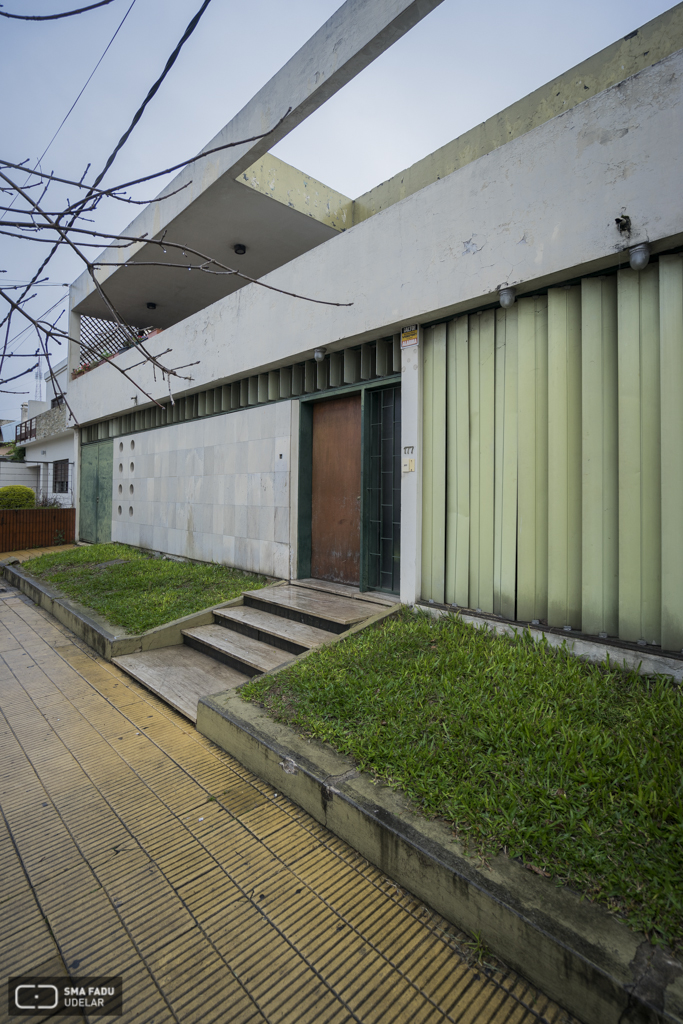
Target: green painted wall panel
{"type": "Point", "coordinates": [505, 485]}
{"type": "Point", "coordinates": [532, 459]}
{"type": "Point", "coordinates": [671, 353]}
{"type": "Point", "coordinates": [458, 464]}
{"type": "Point", "coordinates": [105, 483]}
{"type": "Point", "coordinates": [482, 426]}
{"type": "Point", "coordinates": [564, 457]}
{"type": "Point", "coordinates": [639, 456]}
{"type": "Point", "coordinates": [600, 480]}
{"type": "Point", "coordinates": [88, 494]}
{"type": "Point", "coordinates": [434, 464]}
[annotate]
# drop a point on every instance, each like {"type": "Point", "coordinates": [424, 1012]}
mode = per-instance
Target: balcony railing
{"type": "Point", "coordinates": [25, 431]}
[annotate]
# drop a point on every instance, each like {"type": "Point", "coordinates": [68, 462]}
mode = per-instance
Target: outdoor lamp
{"type": "Point", "coordinates": [639, 256]}
{"type": "Point", "coordinates": [506, 297]}
{"type": "Point", "coordinates": [239, 249]}
{"type": "Point", "coordinates": [319, 355]}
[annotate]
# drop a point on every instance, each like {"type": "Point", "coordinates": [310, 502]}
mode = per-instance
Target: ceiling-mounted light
{"type": "Point", "coordinates": [239, 249]}
{"type": "Point", "coordinates": [319, 355]}
{"type": "Point", "coordinates": [639, 256]}
{"type": "Point", "coordinates": [506, 297]}
{"type": "Point", "coordinates": [151, 305]}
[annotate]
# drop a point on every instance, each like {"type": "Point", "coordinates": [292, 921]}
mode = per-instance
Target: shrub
{"type": "Point", "coordinates": [17, 496]}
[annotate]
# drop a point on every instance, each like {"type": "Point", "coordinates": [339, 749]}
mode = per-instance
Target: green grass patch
{"type": "Point", "coordinates": [139, 591]}
{"type": "Point", "coordinates": [574, 768]}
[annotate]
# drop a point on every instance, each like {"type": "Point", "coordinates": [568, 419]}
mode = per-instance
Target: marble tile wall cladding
{"type": "Point", "coordinates": [215, 489]}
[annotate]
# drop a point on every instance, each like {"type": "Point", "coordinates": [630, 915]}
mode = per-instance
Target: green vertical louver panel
{"type": "Point", "coordinates": [434, 464]}
{"type": "Point", "coordinates": [671, 351]}
{"type": "Point", "coordinates": [482, 410]}
{"type": "Point", "coordinates": [458, 465]}
{"type": "Point", "coordinates": [505, 488]}
{"type": "Point", "coordinates": [639, 456]}
{"type": "Point", "coordinates": [532, 459]}
{"type": "Point", "coordinates": [600, 480]}
{"type": "Point", "coordinates": [564, 457]}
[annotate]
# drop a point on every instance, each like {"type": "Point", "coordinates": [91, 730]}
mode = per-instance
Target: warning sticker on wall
{"type": "Point", "coordinates": [408, 336]}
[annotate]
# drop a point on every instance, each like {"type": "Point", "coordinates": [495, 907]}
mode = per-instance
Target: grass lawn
{"type": "Point", "coordinates": [519, 747]}
{"type": "Point", "coordinates": [139, 592]}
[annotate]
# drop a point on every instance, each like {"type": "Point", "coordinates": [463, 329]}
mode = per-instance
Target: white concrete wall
{"type": "Point", "coordinates": [215, 489]}
{"type": "Point", "coordinates": [42, 454]}
{"type": "Point", "coordinates": [13, 473]}
{"type": "Point", "coordinates": [535, 211]}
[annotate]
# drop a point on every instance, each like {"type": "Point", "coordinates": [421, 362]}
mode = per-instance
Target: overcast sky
{"type": "Point", "coordinates": [461, 64]}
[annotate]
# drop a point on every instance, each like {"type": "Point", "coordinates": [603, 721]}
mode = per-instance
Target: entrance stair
{"type": "Point", "coordinates": [264, 631]}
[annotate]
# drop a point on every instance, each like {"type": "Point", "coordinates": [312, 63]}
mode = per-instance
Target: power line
{"type": "Point", "coordinates": [153, 91]}
{"type": "Point", "coordinates": [87, 83]}
{"type": "Point", "coordinates": [53, 17]}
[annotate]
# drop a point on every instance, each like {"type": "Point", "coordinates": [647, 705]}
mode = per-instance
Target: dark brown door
{"type": "Point", "coordinates": [335, 498]}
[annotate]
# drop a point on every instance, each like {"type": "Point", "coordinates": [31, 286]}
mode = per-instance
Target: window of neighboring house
{"type": "Point", "coordinates": [59, 400]}
{"type": "Point", "coordinates": [60, 476]}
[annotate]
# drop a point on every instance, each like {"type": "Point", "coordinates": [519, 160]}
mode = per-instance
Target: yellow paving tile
{"type": "Point", "coordinates": [131, 844]}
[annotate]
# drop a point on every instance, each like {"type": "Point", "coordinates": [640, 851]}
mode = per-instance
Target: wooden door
{"type": "Point", "coordinates": [335, 490]}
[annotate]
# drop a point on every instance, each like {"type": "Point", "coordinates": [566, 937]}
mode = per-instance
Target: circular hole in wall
{"type": "Point", "coordinates": [131, 489]}
{"type": "Point", "coordinates": [120, 510]}
{"type": "Point", "coordinates": [132, 445]}
{"type": "Point", "coordinates": [120, 446]}
{"type": "Point", "coordinates": [130, 510]}
{"type": "Point", "coordinates": [132, 467]}
{"type": "Point", "coordinates": [120, 488]}
{"type": "Point", "coordinates": [120, 467]}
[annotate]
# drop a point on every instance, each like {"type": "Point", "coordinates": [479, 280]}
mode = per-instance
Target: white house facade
{"type": "Point", "coordinates": [491, 416]}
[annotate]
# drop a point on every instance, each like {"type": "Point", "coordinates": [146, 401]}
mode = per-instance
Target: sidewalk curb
{"type": "Point", "coordinates": [573, 950]}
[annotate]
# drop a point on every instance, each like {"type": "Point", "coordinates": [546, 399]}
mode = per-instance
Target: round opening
{"type": "Point", "coordinates": [132, 445]}
{"type": "Point", "coordinates": [120, 467]}
{"type": "Point", "coordinates": [132, 466]}
{"type": "Point", "coordinates": [120, 488]}
{"type": "Point", "coordinates": [120, 446]}
{"type": "Point", "coordinates": [120, 510]}
{"type": "Point", "coordinates": [131, 489]}
{"type": "Point", "coordinates": [130, 510]}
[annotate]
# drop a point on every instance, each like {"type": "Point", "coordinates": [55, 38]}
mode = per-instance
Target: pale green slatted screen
{"type": "Point", "coordinates": [639, 456]}
{"type": "Point", "coordinates": [532, 459]}
{"type": "Point", "coordinates": [434, 463]}
{"type": "Point", "coordinates": [564, 462]}
{"type": "Point", "coordinates": [505, 483]}
{"type": "Point", "coordinates": [671, 365]}
{"type": "Point", "coordinates": [559, 427]}
{"type": "Point", "coordinates": [482, 406]}
{"type": "Point", "coordinates": [458, 464]}
{"type": "Point", "coordinates": [600, 465]}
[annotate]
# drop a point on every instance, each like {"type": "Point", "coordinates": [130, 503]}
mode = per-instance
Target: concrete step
{"type": "Point", "coordinates": [286, 634]}
{"type": "Point", "coordinates": [180, 676]}
{"type": "Point", "coordinates": [344, 590]}
{"type": "Point", "coordinates": [243, 653]}
{"type": "Point", "coordinates": [312, 607]}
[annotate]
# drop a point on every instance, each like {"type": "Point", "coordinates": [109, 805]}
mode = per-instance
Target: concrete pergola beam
{"type": "Point", "coordinates": [348, 42]}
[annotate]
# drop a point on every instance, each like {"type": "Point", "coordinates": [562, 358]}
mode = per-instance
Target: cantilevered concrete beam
{"type": "Point", "coordinates": [347, 43]}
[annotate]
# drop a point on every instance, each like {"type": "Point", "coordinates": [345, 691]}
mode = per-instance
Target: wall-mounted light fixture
{"type": "Point", "coordinates": [506, 297]}
{"type": "Point", "coordinates": [319, 355]}
{"type": "Point", "coordinates": [239, 249]}
{"type": "Point", "coordinates": [151, 305]}
{"type": "Point", "coordinates": [639, 256]}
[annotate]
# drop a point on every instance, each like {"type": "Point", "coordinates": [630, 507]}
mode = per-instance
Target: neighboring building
{"type": "Point", "coordinates": [435, 438]}
{"type": "Point", "coordinates": [49, 440]}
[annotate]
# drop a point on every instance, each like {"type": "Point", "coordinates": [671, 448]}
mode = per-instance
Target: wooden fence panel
{"type": "Point", "coordinates": [36, 527]}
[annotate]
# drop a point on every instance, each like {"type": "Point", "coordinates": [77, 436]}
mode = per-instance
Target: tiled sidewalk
{"type": "Point", "coordinates": [131, 845]}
